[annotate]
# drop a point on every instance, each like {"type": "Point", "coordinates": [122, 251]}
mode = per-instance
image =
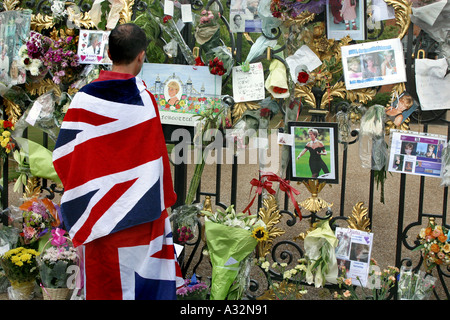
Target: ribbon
{"type": "Point", "coordinates": [58, 238]}
{"type": "Point", "coordinates": [286, 187]}
{"type": "Point", "coordinates": [259, 187]}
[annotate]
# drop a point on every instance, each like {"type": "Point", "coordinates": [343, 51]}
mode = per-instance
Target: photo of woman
{"type": "Point", "coordinates": [316, 150]}
{"type": "Point", "coordinates": [313, 152]}
{"type": "Point", "coordinates": [371, 66]}
{"type": "Point", "coordinates": [388, 64]}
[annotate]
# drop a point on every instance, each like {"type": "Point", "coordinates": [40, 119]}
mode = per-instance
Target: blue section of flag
{"type": "Point", "coordinates": [150, 289]}
{"type": "Point", "coordinates": [72, 210]}
{"type": "Point", "coordinates": [65, 136]}
{"type": "Point", "coordinates": [120, 91]}
{"type": "Point", "coordinates": [147, 209]}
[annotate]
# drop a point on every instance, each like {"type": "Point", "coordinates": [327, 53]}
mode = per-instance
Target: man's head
{"type": "Point", "coordinates": [126, 42]}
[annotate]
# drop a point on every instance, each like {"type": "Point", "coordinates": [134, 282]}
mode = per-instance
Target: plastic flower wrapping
{"type": "Point", "coordinates": [414, 285]}
{"type": "Point", "coordinates": [373, 149]}
{"type": "Point", "coordinates": [230, 244]}
{"type": "Point", "coordinates": [434, 245]}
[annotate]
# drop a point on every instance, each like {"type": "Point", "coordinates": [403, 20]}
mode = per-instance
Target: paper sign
{"type": "Point", "coordinates": [353, 253]}
{"type": "Point", "coordinates": [186, 13]}
{"type": "Point", "coordinates": [168, 8]}
{"type": "Point", "coordinates": [248, 86]}
{"type": "Point", "coordinates": [416, 153]}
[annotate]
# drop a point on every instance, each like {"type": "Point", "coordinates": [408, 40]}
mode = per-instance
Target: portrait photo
{"type": "Point", "coordinates": [93, 47]}
{"type": "Point", "coordinates": [371, 64]}
{"type": "Point", "coordinates": [345, 18]}
{"type": "Point", "coordinates": [314, 153]}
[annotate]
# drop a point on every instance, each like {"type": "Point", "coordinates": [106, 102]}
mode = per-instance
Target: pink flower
{"type": "Point", "coordinates": [29, 232]}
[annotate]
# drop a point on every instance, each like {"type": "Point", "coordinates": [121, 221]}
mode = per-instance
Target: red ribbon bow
{"type": "Point", "coordinates": [259, 187]}
{"type": "Point", "coordinates": [286, 187]}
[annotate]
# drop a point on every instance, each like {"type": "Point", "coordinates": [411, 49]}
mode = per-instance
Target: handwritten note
{"type": "Point", "coordinates": [433, 87]}
{"type": "Point", "coordinates": [248, 85]}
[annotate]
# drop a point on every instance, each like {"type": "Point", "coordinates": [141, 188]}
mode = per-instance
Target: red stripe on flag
{"type": "Point", "coordinates": [167, 252]}
{"type": "Point", "coordinates": [99, 209]}
{"type": "Point", "coordinates": [93, 158]}
{"type": "Point", "coordinates": [85, 116]}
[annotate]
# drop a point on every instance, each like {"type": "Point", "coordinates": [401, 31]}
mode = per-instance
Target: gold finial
{"type": "Point", "coordinates": [314, 203]}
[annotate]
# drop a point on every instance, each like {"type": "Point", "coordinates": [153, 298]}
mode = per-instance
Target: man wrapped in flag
{"type": "Point", "coordinates": [112, 160]}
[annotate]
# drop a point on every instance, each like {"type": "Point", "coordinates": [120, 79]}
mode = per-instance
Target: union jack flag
{"type": "Point", "coordinates": [112, 160]}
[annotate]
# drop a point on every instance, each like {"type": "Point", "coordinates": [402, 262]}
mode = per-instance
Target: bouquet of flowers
{"type": "Point", "coordinates": [230, 242]}
{"type": "Point", "coordinates": [41, 54]}
{"type": "Point", "coordinates": [39, 215]}
{"type": "Point", "coordinates": [6, 141]}
{"type": "Point", "coordinates": [414, 285]}
{"type": "Point", "coordinates": [192, 290]}
{"type": "Point", "coordinates": [434, 244]}
{"type": "Point", "coordinates": [20, 268]}
{"type": "Point", "coordinates": [380, 283]}
{"type": "Point", "coordinates": [291, 287]}
{"type": "Point", "coordinates": [55, 260]}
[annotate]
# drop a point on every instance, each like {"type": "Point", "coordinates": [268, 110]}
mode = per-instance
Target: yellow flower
{"type": "Point", "coordinates": [4, 142]}
{"type": "Point", "coordinates": [260, 234]}
{"type": "Point", "coordinates": [6, 134]}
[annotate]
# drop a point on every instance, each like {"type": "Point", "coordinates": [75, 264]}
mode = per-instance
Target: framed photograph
{"type": "Point", "coordinates": [182, 91]}
{"type": "Point", "coordinates": [345, 17]}
{"type": "Point", "coordinates": [93, 47]}
{"type": "Point", "coordinates": [416, 153]}
{"type": "Point", "coordinates": [314, 152]}
{"type": "Point", "coordinates": [371, 64]}
{"type": "Point", "coordinates": [353, 252]}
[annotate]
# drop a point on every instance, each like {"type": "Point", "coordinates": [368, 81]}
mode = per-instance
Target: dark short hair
{"type": "Point", "coordinates": [126, 41]}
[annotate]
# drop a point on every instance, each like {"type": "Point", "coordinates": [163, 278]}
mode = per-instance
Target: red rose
{"type": "Point", "coordinates": [166, 18]}
{"type": "Point", "coordinates": [302, 77]}
{"type": "Point", "coordinates": [264, 112]}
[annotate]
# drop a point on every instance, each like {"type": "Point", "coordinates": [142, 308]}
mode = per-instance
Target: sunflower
{"type": "Point", "coordinates": [260, 234]}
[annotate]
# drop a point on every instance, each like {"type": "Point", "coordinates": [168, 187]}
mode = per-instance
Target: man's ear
{"type": "Point", "coordinates": [109, 55]}
{"type": "Point", "coordinates": [142, 56]}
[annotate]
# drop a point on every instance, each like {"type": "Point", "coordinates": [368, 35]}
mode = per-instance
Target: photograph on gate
{"type": "Point", "coordinates": [14, 29]}
{"type": "Point", "coordinates": [345, 18]}
{"type": "Point", "coordinates": [416, 153]}
{"type": "Point", "coordinates": [314, 153]}
{"type": "Point", "coordinates": [182, 91]}
{"type": "Point", "coordinates": [373, 64]}
{"type": "Point", "coordinates": [93, 47]}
